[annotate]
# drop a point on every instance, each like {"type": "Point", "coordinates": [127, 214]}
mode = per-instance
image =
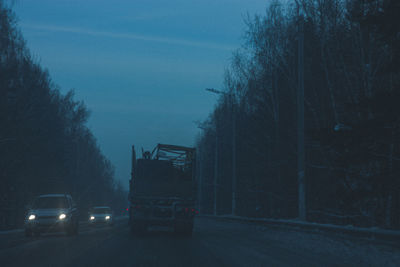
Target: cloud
{"type": "Point", "coordinates": [131, 36]}
{"type": "Point", "coordinates": [153, 15]}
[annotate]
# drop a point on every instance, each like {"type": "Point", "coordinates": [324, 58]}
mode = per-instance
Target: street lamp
{"type": "Point", "coordinates": [231, 97]}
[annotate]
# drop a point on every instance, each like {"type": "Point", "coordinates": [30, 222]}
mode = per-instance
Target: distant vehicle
{"type": "Point", "coordinates": [101, 215]}
{"type": "Point", "coordinates": [162, 189]}
{"type": "Point", "coordinates": [54, 212]}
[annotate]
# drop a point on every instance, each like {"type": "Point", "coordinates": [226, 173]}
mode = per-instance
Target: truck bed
{"type": "Point", "coordinates": [160, 179]}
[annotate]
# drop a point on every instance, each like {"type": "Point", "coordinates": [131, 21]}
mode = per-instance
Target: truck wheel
{"type": "Point", "coordinates": [188, 229]}
{"type": "Point", "coordinates": [178, 229]}
{"type": "Point", "coordinates": [184, 229]}
{"type": "Point", "coordinates": [132, 229]}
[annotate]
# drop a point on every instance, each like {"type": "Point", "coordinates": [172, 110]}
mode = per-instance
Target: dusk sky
{"type": "Point", "coordinates": [141, 67]}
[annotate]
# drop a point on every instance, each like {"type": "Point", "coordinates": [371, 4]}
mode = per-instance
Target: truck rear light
{"type": "Point", "coordinates": [185, 210]}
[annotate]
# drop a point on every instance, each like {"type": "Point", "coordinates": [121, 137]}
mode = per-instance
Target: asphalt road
{"type": "Point", "coordinates": [214, 243]}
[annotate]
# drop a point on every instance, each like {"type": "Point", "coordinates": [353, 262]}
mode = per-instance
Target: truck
{"type": "Point", "coordinates": [162, 189]}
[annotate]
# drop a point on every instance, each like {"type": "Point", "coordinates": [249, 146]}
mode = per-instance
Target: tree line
{"type": "Point", "coordinates": [45, 145]}
{"type": "Point", "coordinates": [352, 134]}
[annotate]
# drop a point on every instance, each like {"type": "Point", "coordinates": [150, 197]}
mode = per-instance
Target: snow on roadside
{"type": "Point", "coordinates": [362, 253]}
{"type": "Point", "coordinates": [348, 250]}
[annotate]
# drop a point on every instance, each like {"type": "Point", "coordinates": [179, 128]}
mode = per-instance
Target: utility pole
{"type": "Point", "coordinates": [300, 119]}
{"type": "Point", "coordinates": [200, 173]}
{"type": "Point", "coordinates": [234, 180]}
{"type": "Point", "coordinates": [216, 169]}
{"type": "Point", "coordinates": [233, 155]}
{"type": "Point", "coordinates": [75, 185]}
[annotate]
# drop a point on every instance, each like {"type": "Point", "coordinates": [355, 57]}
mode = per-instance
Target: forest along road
{"type": "Point", "coordinates": [214, 243]}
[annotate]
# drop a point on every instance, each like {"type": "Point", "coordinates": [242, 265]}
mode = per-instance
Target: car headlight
{"type": "Point", "coordinates": [62, 216]}
{"type": "Point", "coordinates": [107, 217]}
{"type": "Point", "coordinates": [32, 217]}
{"type": "Point", "coordinates": [91, 218]}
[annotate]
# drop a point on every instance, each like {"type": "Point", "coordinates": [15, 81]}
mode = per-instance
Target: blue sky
{"type": "Point", "coordinates": [140, 66]}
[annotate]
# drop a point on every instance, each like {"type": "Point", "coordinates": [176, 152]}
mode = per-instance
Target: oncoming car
{"type": "Point", "coordinates": [54, 212]}
{"type": "Point", "coordinates": [101, 215]}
